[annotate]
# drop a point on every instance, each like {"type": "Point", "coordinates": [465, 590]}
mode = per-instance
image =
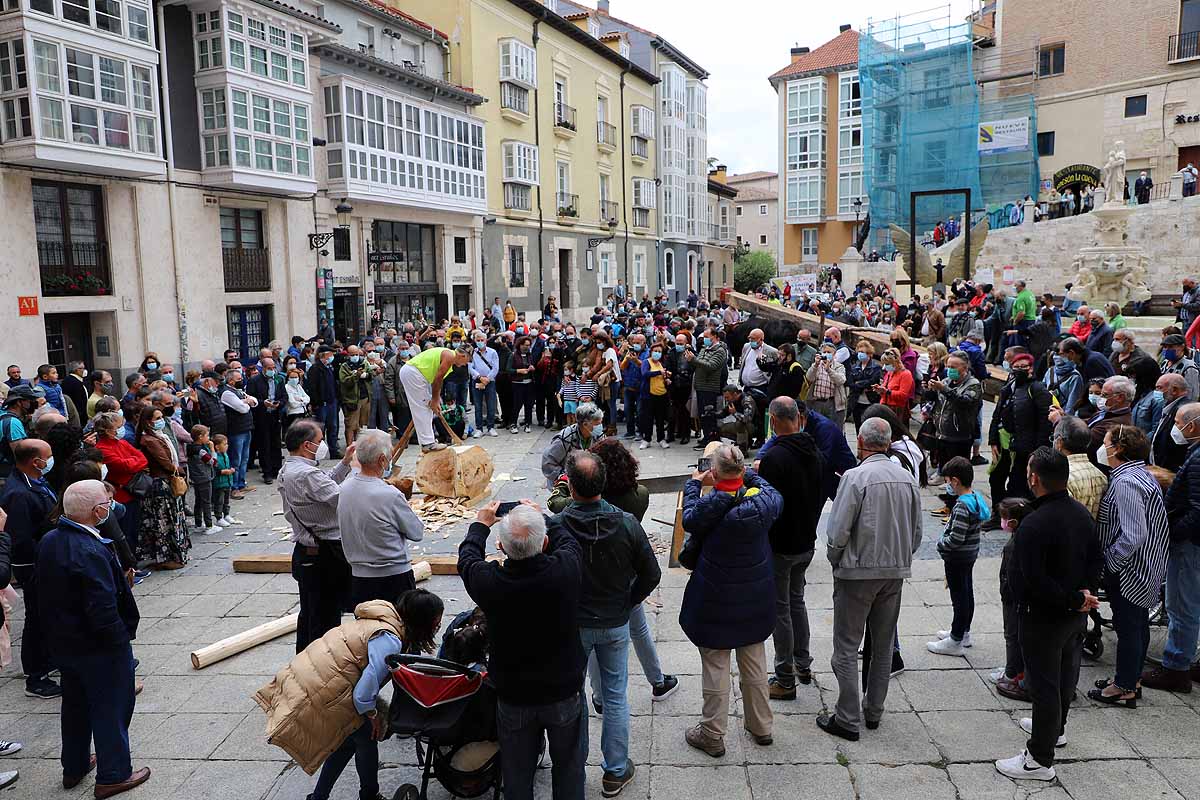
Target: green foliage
{"type": "Point", "coordinates": [752, 270]}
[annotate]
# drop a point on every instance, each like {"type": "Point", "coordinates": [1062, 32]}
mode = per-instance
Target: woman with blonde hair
{"type": "Point", "coordinates": [897, 387]}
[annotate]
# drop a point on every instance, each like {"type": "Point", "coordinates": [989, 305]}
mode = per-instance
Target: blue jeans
{"type": "Point", "coordinates": [97, 705]}
{"type": "Point", "coordinates": [1131, 623]}
{"type": "Point", "coordinates": [611, 646]}
{"type": "Point", "coordinates": [485, 397]}
{"type": "Point", "coordinates": [327, 415]}
{"type": "Point", "coordinates": [521, 729]}
{"type": "Point", "coordinates": [365, 752]}
{"type": "Point", "coordinates": [632, 404]}
{"type": "Point", "coordinates": [643, 645]}
{"type": "Point", "coordinates": [961, 583]}
{"type": "Point", "coordinates": [239, 457]}
{"type": "Point", "coordinates": [1183, 605]}
{"type": "Point", "coordinates": [456, 392]}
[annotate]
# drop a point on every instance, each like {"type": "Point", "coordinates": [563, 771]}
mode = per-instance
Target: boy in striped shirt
{"type": "Point", "coordinates": [959, 547]}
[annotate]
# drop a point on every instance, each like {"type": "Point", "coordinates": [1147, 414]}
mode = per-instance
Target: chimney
{"type": "Point", "coordinates": [602, 6]}
{"type": "Point", "coordinates": [797, 52]}
{"type": "Point", "coordinates": [719, 174]}
{"type": "Point", "coordinates": [843, 28]}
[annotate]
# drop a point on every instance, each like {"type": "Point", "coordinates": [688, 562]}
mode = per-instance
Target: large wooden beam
{"type": "Point", "coordinates": [281, 563]}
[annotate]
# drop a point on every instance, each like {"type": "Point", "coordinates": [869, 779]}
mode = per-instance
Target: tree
{"type": "Point", "coordinates": [752, 270]}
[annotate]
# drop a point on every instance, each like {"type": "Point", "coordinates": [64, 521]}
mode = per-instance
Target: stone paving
{"type": "Point", "coordinates": [203, 736]}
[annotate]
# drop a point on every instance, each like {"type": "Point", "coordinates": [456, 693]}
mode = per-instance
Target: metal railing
{"type": "Point", "coordinates": [1183, 47]}
{"type": "Point", "coordinates": [568, 204]}
{"type": "Point", "coordinates": [606, 134]}
{"type": "Point", "coordinates": [515, 98]}
{"type": "Point", "coordinates": [564, 116]}
{"type": "Point", "coordinates": [246, 270]}
{"type": "Point", "coordinates": [609, 210]}
{"type": "Point", "coordinates": [639, 147]}
{"type": "Point", "coordinates": [517, 196]}
{"type": "Point", "coordinates": [80, 269]}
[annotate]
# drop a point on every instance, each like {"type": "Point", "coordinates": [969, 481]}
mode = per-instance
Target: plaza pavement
{"type": "Point", "coordinates": [203, 736]}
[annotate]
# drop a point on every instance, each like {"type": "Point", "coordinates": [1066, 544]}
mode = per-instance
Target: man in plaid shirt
{"type": "Point", "coordinates": [1086, 483]}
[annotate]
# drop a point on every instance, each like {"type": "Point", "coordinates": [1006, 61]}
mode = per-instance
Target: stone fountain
{"type": "Point", "coordinates": [1112, 270]}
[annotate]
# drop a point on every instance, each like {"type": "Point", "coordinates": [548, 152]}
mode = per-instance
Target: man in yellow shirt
{"type": "Point", "coordinates": [422, 379]}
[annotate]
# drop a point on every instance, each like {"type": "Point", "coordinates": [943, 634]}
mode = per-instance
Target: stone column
{"type": "Point", "coordinates": [1099, 197]}
{"type": "Point", "coordinates": [1030, 205]}
{"type": "Point", "coordinates": [851, 263]}
{"type": "Point", "coordinates": [1176, 187]}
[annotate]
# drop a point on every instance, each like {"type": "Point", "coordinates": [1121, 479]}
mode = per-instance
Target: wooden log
{"type": "Point", "coordinates": [461, 471]}
{"type": "Point", "coordinates": [240, 642]}
{"type": "Point", "coordinates": [448, 565]}
{"type": "Point", "coordinates": [271, 563]}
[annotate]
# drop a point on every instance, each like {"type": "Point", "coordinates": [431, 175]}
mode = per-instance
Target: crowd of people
{"type": "Point", "coordinates": [1094, 472]}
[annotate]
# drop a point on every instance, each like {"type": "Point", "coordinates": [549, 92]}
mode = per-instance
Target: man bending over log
{"type": "Point", "coordinates": [422, 380]}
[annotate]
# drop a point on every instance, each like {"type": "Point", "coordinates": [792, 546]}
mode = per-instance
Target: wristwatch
{"type": "Point", "coordinates": [372, 713]}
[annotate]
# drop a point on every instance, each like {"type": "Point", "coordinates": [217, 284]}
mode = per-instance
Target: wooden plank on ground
{"type": "Point", "coordinates": [272, 563]}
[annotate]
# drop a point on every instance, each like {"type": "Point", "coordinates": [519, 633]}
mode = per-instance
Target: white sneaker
{"type": "Point", "coordinates": [214, 529]}
{"type": "Point", "coordinates": [8, 778]}
{"type": "Point", "coordinates": [643, 445]}
{"type": "Point", "coordinates": [966, 642]}
{"type": "Point", "coordinates": [8, 748]}
{"type": "Point", "coordinates": [1027, 726]}
{"type": "Point", "coordinates": [664, 445]}
{"type": "Point", "coordinates": [512, 429]}
{"type": "Point", "coordinates": [1023, 767]}
{"type": "Point", "coordinates": [222, 523]}
{"type": "Point", "coordinates": [492, 432]}
{"type": "Point", "coordinates": [946, 647]}
{"type": "Point", "coordinates": [527, 429]}
{"type": "Point", "coordinates": [995, 677]}
{"type": "Point", "coordinates": [477, 435]}
{"type": "Point", "coordinates": [199, 529]}
{"type": "Point", "coordinates": [233, 521]}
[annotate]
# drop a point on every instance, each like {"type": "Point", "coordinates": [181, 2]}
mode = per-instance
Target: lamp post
{"type": "Point", "coordinates": [318, 240]}
{"type": "Point", "coordinates": [858, 204]}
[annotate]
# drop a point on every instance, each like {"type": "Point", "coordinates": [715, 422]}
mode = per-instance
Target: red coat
{"type": "Point", "coordinates": [898, 389]}
{"type": "Point", "coordinates": [123, 461]}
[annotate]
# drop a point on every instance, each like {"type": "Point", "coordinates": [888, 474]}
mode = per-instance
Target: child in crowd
{"type": "Point", "coordinates": [1008, 679]}
{"type": "Point", "coordinates": [568, 394]}
{"type": "Point", "coordinates": [222, 483]}
{"type": "Point", "coordinates": [959, 547]}
{"type": "Point", "coordinates": [202, 466]}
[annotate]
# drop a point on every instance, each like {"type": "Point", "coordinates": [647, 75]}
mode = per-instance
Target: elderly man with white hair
{"type": "Point", "coordinates": [90, 617]}
{"type": "Point", "coordinates": [535, 659]}
{"type": "Point", "coordinates": [1114, 407]}
{"type": "Point", "coordinates": [874, 529]}
{"type": "Point", "coordinates": [376, 524]}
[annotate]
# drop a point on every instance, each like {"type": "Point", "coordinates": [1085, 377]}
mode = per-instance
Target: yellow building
{"type": "Point", "coordinates": [570, 172]}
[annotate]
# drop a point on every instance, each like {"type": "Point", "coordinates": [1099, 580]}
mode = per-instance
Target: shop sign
{"type": "Point", "coordinates": [1004, 136]}
{"type": "Point", "coordinates": [1186, 119]}
{"type": "Point", "coordinates": [1084, 174]}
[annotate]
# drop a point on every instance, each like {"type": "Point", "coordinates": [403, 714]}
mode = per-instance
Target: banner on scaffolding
{"type": "Point", "coordinates": [1004, 136]}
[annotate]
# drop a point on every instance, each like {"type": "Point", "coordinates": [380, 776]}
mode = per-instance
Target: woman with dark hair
{"type": "Point", "coordinates": [162, 538]}
{"type": "Point", "coordinates": [789, 377]}
{"type": "Point", "coordinates": [600, 369]}
{"type": "Point", "coordinates": [521, 366]}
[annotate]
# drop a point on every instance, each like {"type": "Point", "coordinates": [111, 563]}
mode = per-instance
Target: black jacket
{"type": "Point", "coordinates": [211, 412]}
{"type": "Point", "coordinates": [787, 382]}
{"type": "Point", "coordinates": [860, 377]}
{"type": "Point", "coordinates": [1164, 452]}
{"type": "Point", "coordinates": [1139, 368]}
{"type": "Point", "coordinates": [256, 387]}
{"type": "Point", "coordinates": [28, 506]}
{"type": "Point", "coordinates": [619, 567]}
{"type": "Point", "coordinates": [532, 607]}
{"type": "Point", "coordinates": [1023, 410]}
{"type": "Point", "coordinates": [1183, 500]}
{"type": "Point", "coordinates": [795, 467]}
{"type": "Point", "coordinates": [73, 388]}
{"type": "Point", "coordinates": [1056, 555]}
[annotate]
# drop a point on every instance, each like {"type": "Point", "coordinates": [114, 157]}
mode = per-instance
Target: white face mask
{"type": "Point", "coordinates": [1099, 401]}
{"type": "Point", "coordinates": [104, 469]}
{"type": "Point", "coordinates": [322, 451]}
{"type": "Point", "coordinates": [1102, 456]}
{"type": "Point", "coordinates": [1177, 436]}
{"type": "Point", "coordinates": [1118, 346]}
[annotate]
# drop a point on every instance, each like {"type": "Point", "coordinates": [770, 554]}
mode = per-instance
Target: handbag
{"type": "Point", "coordinates": [140, 484]}
{"type": "Point", "coordinates": [179, 485]}
{"type": "Point", "coordinates": [927, 435]}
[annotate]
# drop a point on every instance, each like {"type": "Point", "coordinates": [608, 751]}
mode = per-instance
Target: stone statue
{"type": "Point", "coordinates": [950, 257]}
{"type": "Point", "coordinates": [1114, 175]}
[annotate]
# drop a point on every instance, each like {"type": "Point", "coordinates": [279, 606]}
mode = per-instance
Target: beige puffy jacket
{"type": "Point", "coordinates": [309, 703]}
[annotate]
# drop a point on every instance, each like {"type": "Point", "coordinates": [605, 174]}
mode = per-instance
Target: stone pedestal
{"type": "Point", "coordinates": [1029, 213]}
{"type": "Point", "coordinates": [851, 263]}
{"type": "Point", "coordinates": [1176, 192]}
{"type": "Point", "coordinates": [1112, 270]}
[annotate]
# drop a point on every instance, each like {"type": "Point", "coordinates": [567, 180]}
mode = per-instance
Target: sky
{"type": "Point", "coordinates": [742, 43]}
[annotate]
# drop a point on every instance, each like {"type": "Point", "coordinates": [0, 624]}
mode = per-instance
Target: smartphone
{"type": "Point", "coordinates": [704, 464]}
{"type": "Point", "coordinates": [506, 507]}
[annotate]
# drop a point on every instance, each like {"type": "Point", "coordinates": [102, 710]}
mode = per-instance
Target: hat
{"type": "Point", "coordinates": [208, 373]}
{"type": "Point", "coordinates": [1174, 340]}
{"type": "Point", "coordinates": [25, 391]}
{"type": "Point", "coordinates": [1021, 358]}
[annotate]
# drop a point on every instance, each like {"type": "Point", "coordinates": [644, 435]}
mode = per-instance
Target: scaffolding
{"type": "Point", "coordinates": [923, 104]}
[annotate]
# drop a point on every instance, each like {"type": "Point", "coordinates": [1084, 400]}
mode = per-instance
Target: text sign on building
{"type": "Point", "coordinates": [384, 256]}
{"type": "Point", "coordinates": [1004, 136]}
{"type": "Point", "coordinates": [27, 306]}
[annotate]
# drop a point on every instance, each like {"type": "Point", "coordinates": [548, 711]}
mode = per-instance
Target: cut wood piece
{"type": "Point", "coordinates": [270, 563]}
{"type": "Point", "coordinates": [462, 471]}
{"type": "Point", "coordinates": [448, 565]}
{"type": "Point", "coordinates": [240, 642]}
{"type": "Point", "coordinates": [421, 571]}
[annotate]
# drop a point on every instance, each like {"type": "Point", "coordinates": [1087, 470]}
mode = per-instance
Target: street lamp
{"type": "Point", "coordinates": [612, 234]}
{"type": "Point", "coordinates": [318, 240]}
{"type": "Point", "coordinates": [343, 211]}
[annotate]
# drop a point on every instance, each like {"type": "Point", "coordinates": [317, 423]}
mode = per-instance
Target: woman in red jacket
{"type": "Point", "coordinates": [123, 461]}
{"type": "Point", "coordinates": [896, 391]}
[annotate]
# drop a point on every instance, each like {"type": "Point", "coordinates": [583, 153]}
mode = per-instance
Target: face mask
{"type": "Point", "coordinates": [1099, 401]}
{"type": "Point", "coordinates": [160, 424]}
{"type": "Point", "coordinates": [1177, 435]}
{"type": "Point", "coordinates": [584, 341]}
{"type": "Point", "coordinates": [1170, 353]}
{"type": "Point", "coordinates": [1021, 375]}
{"type": "Point", "coordinates": [108, 387]}
{"type": "Point", "coordinates": [637, 348]}
{"type": "Point", "coordinates": [327, 361]}
{"type": "Point", "coordinates": [481, 344]}
{"type": "Point", "coordinates": [952, 373]}
{"type": "Point", "coordinates": [270, 373]}
{"type": "Point", "coordinates": [704, 341]}
{"type": "Point", "coordinates": [107, 512]}
{"type": "Point", "coordinates": [1081, 318]}
{"type": "Point", "coordinates": [1007, 367]}
{"type": "Point", "coordinates": [322, 451]}
{"type": "Point", "coordinates": [889, 367]}
{"type": "Point", "coordinates": [355, 359]}
{"type": "Point", "coordinates": [1158, 396]}
{"type": "Point", "coordinates": [151, 365]}
{"type": "Point", "coordinates": [49, 465]}
{"type": "Point", "coordinates": [1060, 361]}
{"type": "Point", "coordinates": [679, 348]}
{"type": "Point", "coordinates": [656, 355]}
{"type": "Point", "coordinates": [863, 357]}
{"type": "Point", "coordinates": [827, 356]}
{"type": "Point", "coordinates": [1102, 456]}
{"type": "Point", "coordinates": [293, 381]}
{"type": "Point", "coordinates": [1118, 347]}
{"type": "Point", "coordinates": [947, 488]}
{"type": "Point", "coordinates": [600, 345]}
{"type": "Point", "coordinates": [755, 345]}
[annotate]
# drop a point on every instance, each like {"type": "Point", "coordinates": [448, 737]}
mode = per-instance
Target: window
{"type": "Point", "coordinates": [237, 54]}
{"type": "Point", "coordinates": [1045, 143]}
{"type": "Point", "coordinates": [520, 162]}
{"type": "Point", "coordinates": [1135, 106]}
{"type": "Point", "coordinates": [45, 65]}
{"type": "Point", "coordinates": [643, 193]}
{"type": "Point", "coordinates": [937, 87]}
{"type": "Point", "coordinates": [849, 96]}
{"type": "Point", "coordinates": [460, 249]}
{"type": "Point", "coordinates": [256, 29]}
{"type": "Point", "coordinates": [805, 194]}
{"type": "Point", "coordinates": [642, 121]}
{"type": "Point", "coordinates": [518, 63]}
{"type": "Point", "coordinates": [516, 266]}
{"type": "Point", "coordinates": [143, 88]}
{"type": "Point", "coordinates": [112, 81]}
{"type": "Point", "coordinates": [144, 137]}
{"type": "Point", "coordinates": [639, 269]}
{"type": "Point", "coordinates": [12, 66]}
{"type": "Point", "coordinates": [139, 23]}
{"type": "Point", "coordinates": [234, 22]}
{"type": "Point", "coordinates": [76, 11]}
{"type": "Point", "coordinates": [808, 244]}
{"type": "Point", "coordinates": [1051, 60]}
{"type": "Point", "coordinates": [85, 125]}
{"type": "Point", "coordinates": [669, 269]}
{"type": "Point", "coordinates": [739, 211]}
{"type": "Point", "coordinates": [762, 239]}
{"type": "Point", "coordinates": [607, 275]}
{"type": "Point", "coordinates": [69, 222]}
{"type": "Point", "coordinates": [593, 27]}
{"type": "Point", "coordinates": [258, 60]}
{"type": "Point", "coordinates": [341, 244]}
{"type": "Point", "coordinates": [264, 155]}
{"type": "Point", "coordinates": [212, 109]}
{"type": "Point", "coordinates": [514, 97]}
{"type": "Point", "coordinates": [806, 102]}
{"type": "Point", "coordinates": [279, 67]}
{"type": "Point", "coordinates": [762, 209]}
{"type": "Point", "coordinates": [81, 75]}
{"type": "Point", "coordinates": [108, 16]}
{"type": "Point", "coordinates": [806, 150]}
{"type": "Point", "coordinates": [51, 111]}
{"type": "Point", "coordinates": [850, 188]}
{"type": "Point", "coordinates": [850, 147]}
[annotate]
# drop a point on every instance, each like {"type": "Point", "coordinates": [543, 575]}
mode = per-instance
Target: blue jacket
{"type": "Point", "coordinates": [28, 503]}
{"type": "Point", "coordinates": [832, 444]}
{"type": "Point", "coordinates": [85, 604]}
{"type": "Point", "coordinates": [978, 363]}
{"type": "Point", "coordinates": [631, 373]}
{"type": "Point", "coordinates": [729, 601]}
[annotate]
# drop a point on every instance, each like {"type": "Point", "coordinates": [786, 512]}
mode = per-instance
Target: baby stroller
{"type": "Point", "coordinates": [1093, 639]}
{"type": "Point", "coordinates": [449, 710]}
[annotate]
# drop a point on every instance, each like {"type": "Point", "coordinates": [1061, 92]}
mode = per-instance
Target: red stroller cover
{"type": "Point", "coordinates": [431, 686]}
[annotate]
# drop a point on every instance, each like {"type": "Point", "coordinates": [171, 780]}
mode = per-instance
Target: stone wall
{"type": "Point", "coordinates": [1169, 233]}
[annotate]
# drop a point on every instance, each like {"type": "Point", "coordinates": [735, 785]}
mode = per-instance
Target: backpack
{"type": "Point", "coordinates": [6, 454]}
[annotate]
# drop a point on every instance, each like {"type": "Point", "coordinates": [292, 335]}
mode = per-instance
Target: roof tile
{"type": "Point", "coordinates": [840, 51]}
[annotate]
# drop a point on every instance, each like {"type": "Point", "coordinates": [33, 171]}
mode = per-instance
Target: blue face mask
{"type": "Point", "coordinates": [951, 373]}
{"type": "Point", "coordinates": [49, 465]}
{"type": "Point", "coordinates": [679, 348]}
{"type": "Point", "coordinates": [1170, 354]}
{"type": "Point", "coordinates": [637, 348]}
{"type": "Point", "coordinates": [293, 381]}
{"type": "Point", "coordinates": [169, 377]}
{"type": "Point", "coordinates": [756, 345]}
{"type": "Point", "coordinates": [863, 357]}
{"type": "Point", "coordinates": [355, 359]}
{"type": "Point", "coordinates": [1157, 396]}
{"type": "Point", "coordinates": [656, 355]}
{"type": "Point", "coordinates": [160, 424]}
{"type": "Point", "coordinates": [270, 373]}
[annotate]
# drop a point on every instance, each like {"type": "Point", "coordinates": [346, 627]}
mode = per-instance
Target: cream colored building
{"type": "Point", "coordinates": [757, 211]}
{"type": "Point", "coordinates": [570, 177]}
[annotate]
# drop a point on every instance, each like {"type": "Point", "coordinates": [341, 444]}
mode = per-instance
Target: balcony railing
{"type": "Point", "coordinates": [1183, 47]}
{"type": "Point", "coordinates": [609, 210]}
{"type": "Point", "coordinates": [606, 134]}
{"type": "Point", "coordinates": [568, 204]}
{"type": "Point", "coordinates": [514, 98]}
{"type": "Point", "coordinates": [246, 270]}
{"type": "Point", "coordinates": [641, 218]}
{"type": "Point", "coordinates": [81, 268]}
{"type": "Point", "coordinates": [518, 197]}
{"type": "Point", "coordinates": [639, 147]}
{"type": "Point", "coordinates": [564, 116]}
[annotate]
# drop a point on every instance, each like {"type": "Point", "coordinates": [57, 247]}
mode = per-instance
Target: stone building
{"type": "Point", "coordinates": [757, 211]}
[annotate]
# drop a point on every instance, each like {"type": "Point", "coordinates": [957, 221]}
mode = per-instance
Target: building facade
{"type": "Point", "coordinates": [715, 264]}
{"type": "Point", "coordinates": [1090, 96]}
{"type": "Point", "coordinates": [820, 153]}
{"type": "Point", "coordinates": [757, 211]}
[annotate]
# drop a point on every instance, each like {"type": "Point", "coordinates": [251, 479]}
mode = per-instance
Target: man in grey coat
{"type": "Point", "coordinates": [874, 529]}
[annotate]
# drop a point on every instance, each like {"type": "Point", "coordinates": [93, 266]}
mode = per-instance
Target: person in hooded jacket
{"type": "Point", "coordinates": [1020, 425]}
{"type": "Point", "coordinates": [728, 605]}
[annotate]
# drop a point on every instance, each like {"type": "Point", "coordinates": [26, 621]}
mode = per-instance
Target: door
{"type": "Point", "coordinates": [564, 278]}
{"type": "Point", "coordinates": [249, 331]}
{"type": "Point", "coordinates": [68, 338]}
{"type": "Point", "coordinates": [462, 300]}
{"type": "Point", "coordinates": [1189, 155]}
{"type": "Point", "coordinates": [347, 314]}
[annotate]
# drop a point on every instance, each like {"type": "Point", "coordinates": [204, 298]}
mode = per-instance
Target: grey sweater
{"type": "Point", "coordinates": [376, 524]}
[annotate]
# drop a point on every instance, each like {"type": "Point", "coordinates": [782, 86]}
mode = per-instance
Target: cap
{"type": "Point", "coordinates": [1174, 340]}
{"type": "Point", "coordinates": [1021, 358]}
{"type": "Point", "coordinates": [25, 391]}
{"type": "Point", "coordinates": [208, 373]}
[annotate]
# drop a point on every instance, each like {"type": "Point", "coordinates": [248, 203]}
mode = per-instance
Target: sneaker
{"type": "Point", "coordinates": [199, 529]}
{"type": "Point", "coordinates": [597, 705]}
{"type": "Point", "coordinates": [433, 447]}
{"type": "Point", "coordinates": [664, 445]}
{"type": "Point", "coordinates": [43, 689]}
{"type": "Point", "coordinates": [897, 664]}
{"type": "Point", "coordinates": [967, 641]}
{"type": "Point", "coordinates": [492, 432]}
{"type": "Point", "coordinates": [512, 429]}
{"type": "Point", "coordinates": [995, 676]}
{"type": "Point", "coordinates": [477, 435]}
{"type": "Point", "coordinates": [233, 521]}
{"type": "Point", "coordinates": [665, 689]}
{"type": "Point", "coordinates": [700, 739]}
{"type": "Point", "coordinates": [8, 748]}
{"type": "Point", "coordinates": [780, 692]}
{"type": "Point", "coordinates": [1012, 689]}
{"type": "Point", "coordinates": [140, 575]}
{"type": "Point", "coordinates": [8, 778]}
{"type": "Point", "coordinates": [612, 784]}
{"type": "Point", "coordinates": [979, 461]}
{"type": "Point", "coordinates": [221, 522]}
{"type": "Point", "coordinates": [1027, 726]}
{"type": "Point", "coordinates": [1023, 767]}
{"type": "Point", "coordinates": [527, 431]}
{"type": "Point", "coordinates": [946, 647]}
{"type": "Point", "coordinates": [643, 445]}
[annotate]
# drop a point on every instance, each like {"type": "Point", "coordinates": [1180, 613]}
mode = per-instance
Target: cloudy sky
{"type": "Point", "coordinates": [741, 43]}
